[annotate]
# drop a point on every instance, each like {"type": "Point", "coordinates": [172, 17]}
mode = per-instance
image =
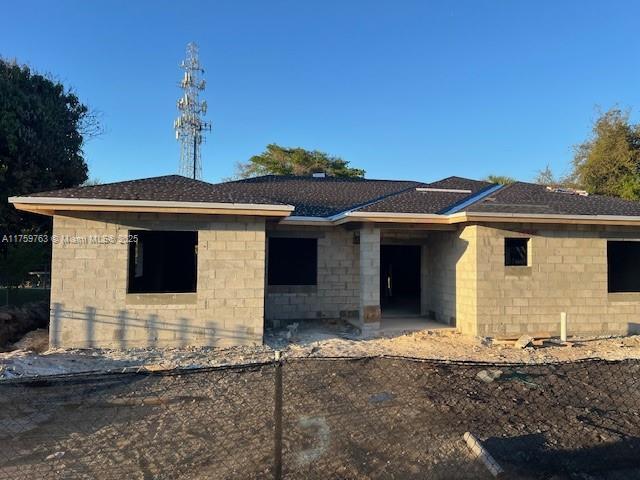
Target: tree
{"type": "Point", "coordinates": [42, 129]}
{"type": "Point", "coordinates": [501, 179]}
{"type": "Point", "coordinates": [546, 177]}
{"type": "Point", "coordinates": [609, 162]}
{"type": "Point", "coordinates": [277, 160]}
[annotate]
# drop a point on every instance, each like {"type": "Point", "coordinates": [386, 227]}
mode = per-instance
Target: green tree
{"type": "Point", "coordinates": [609, 162]}
{"type": "Point", "coordinates": [277, 160]}
{"type": "Point", "coordinates": [42, 129]}
{"type": "Point", "coordinates": [501, 179]}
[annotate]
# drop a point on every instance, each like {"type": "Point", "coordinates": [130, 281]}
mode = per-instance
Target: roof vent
{"type": "Point", "coordinates": [568, 191]}
{"type": "Point", "coordinates": [319, 175]}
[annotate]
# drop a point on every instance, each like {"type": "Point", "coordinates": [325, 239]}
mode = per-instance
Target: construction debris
{"type": "Point", "coordinates": [317, 339]}
{"type": "Point", "coordinates": [55, 456]}
{"type": "Point", "coordinates": [567, 191]}
{"type": "Point", "coordinates": [291, 331]}
{"type": "Point", "coordinates": [481, 453]}
{"type": "Point", "coordinates": [524, 341]}
{"type": "Point", "coordinates": [489, 376]}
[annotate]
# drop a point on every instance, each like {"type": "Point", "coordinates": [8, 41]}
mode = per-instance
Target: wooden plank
{"type": "Point", "coordinates": [535, 336]}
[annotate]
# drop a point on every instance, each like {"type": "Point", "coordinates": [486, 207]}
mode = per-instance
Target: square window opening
{"type": "Point", "coordinates": [623, 266]}
{"type": "Point", "coordinates": [516, 252]}
{"type": "Point", "coordinates": [293, 261]}
{"type": "Point", "coordinates": [163, 262]}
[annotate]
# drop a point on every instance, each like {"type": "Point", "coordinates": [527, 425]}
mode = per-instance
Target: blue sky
{"type": "Point", "coordinates": [409, 90]}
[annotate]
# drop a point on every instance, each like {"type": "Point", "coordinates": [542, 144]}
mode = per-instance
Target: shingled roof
{"type": "Point", "coordinates": [435, 198]}
{"type": "Point", "coordinates": [318, 197]}
{"type": "Point", "coordinates": [459, 183]}
{"type": "Point", "coordinates": [529, 198]}
{"type": "Point", "coordinates": [328, 196]}
{"type": "Point", "coordinates": [168, 188]}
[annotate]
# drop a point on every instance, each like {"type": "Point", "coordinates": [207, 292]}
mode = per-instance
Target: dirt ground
{"type": "Point", "coordinates": [376, 418]}
{"type": "Point", "coordinates": [30, 356]}
{"type": "Point", "coordinates": [446, 344]}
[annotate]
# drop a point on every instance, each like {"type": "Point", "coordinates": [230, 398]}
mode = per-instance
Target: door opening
{"type": "Point", "coordinates": [400, 279]}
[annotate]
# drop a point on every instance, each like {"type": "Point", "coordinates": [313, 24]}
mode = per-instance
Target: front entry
{"type": "Point", "coordinates": [400, 279]}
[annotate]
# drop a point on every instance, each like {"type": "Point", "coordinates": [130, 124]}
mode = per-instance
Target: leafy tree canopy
{"type": "Point", "coordinates": [609, 162]}
{"type": "Point", "coordinates": [40, 139]}
{"type": "Point", "coordinates": [501, 179]}
{"type": "Point", "coordinates": [277, 160]}
{"type": "Point", "coordinates": [42, 128]}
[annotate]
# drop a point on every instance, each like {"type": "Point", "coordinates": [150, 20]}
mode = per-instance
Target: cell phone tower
{"type": "Point", "coordinates": [190, 127]}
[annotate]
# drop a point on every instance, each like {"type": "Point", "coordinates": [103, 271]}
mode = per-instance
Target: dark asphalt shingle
{"type": "Point", "coordinates": [170, 188]}
{"type": "Point", "coordinates": [318, 197]}
{"type": "Point", "coordinates": [413, 201]}
{"type": "Point", "coordinates": [525, 198]}
{"type": "Point", "coordinates": [323, 197]}
{"type": "Point", "coordinates": [459, 183]}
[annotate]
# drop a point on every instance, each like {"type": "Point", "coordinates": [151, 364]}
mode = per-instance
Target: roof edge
{"type": "Point", "coordinates": [463, 217]}
{"type": "Point", "coordinates": [551, 218]}
{"type": "Point", "coordinates": [48, 205]}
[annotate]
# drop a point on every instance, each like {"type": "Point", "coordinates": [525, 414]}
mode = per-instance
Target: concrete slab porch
{"type": "Point", "coordinates": [399, 324]}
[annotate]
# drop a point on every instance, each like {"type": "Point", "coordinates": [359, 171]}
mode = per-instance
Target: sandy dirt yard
{"type": "Point", "coordinates": [446, 344]}
{"type": "Point", "coordinates": [312, 339]}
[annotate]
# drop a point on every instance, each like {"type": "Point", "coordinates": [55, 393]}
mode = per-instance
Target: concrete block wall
{"type": "Point", "coordinates": [449, 270]}
{"type": "Point", "coordinates": [370, 276]}
{"type": "Point", "coordinates": [567, 272]}
{"type": "Point", "coordinates": [89, 300]}
{"type": "Point", "coordinates": [337, 291]}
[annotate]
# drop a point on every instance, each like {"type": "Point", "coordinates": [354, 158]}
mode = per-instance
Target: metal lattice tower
{"type": "Point", "coordinates": [190, 126]}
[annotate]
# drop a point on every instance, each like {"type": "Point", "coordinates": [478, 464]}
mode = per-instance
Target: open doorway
{"type": "Point", "coordinates": [400, 279]}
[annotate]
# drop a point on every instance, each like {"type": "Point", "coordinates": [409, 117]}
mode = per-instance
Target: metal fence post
{"type": "Point", "coordinates": [277, 414]}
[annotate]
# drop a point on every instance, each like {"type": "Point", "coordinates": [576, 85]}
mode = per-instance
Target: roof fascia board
{"type": "Point", "coordinates": [61, 203]}
{"type": "Point", "coordinates": [393, 214]}
{"type": "Point", "coordinates": [65, 210]}
{"type": "Point", "coordinates": [394, 218]}
{"type": "Point", "coordinates": [464, 217]}
{"type": "Point", "coordinates": [51, 205]}
{"type": "Point", "coordinates": [551, 218]}
{"type": "Point", "coordinates": [302, 220]}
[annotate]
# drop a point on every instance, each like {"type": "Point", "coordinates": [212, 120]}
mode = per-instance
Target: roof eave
{"type": "Point", "coordinates": [305, 220]}
{"type": "Point", "coordinates": [463, 217]}
{"type": "Point", "coordinates": [547, 218]}
{"type": "Point", "coordinates": [55, 205]}
{"type": "Point", "coordinates": [52, 205]}
{"type": "Point", "coordinates": [391, 217]}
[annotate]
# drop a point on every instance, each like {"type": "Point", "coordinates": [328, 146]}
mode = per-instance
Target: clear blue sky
{"type": "Point", "coordinates": [403, 89]}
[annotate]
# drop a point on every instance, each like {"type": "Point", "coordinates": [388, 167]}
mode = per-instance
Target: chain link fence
{"type": "Point", "coordinates": [364, 418]}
